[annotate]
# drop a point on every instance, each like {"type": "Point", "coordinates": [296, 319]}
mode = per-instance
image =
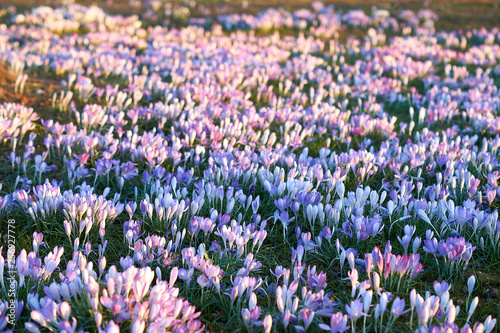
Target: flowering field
{"type": "Point", "coordinates": [315, 170]}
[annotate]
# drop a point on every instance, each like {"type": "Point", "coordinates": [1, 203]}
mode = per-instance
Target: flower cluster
{"type": "Point", "coordinates": [246, 172]}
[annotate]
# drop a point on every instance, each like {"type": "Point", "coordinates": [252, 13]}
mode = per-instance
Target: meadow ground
{"type": "Point", "coordinates": [325, 169]}
{"type": "Point", "coordinates": [453, 15]}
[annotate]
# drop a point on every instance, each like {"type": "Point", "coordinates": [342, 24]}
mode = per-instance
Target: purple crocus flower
{"type": "Point", "coordinates": [338, 323]}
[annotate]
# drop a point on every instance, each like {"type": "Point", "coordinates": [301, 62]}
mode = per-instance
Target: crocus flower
{"type": "Point", "coordinates": [338, 323]}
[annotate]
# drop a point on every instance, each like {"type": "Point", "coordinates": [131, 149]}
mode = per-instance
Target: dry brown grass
{"type": "Point", "coordinates": [37, 93]}
{"type": "Point", "coordinates": [7, 80]}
